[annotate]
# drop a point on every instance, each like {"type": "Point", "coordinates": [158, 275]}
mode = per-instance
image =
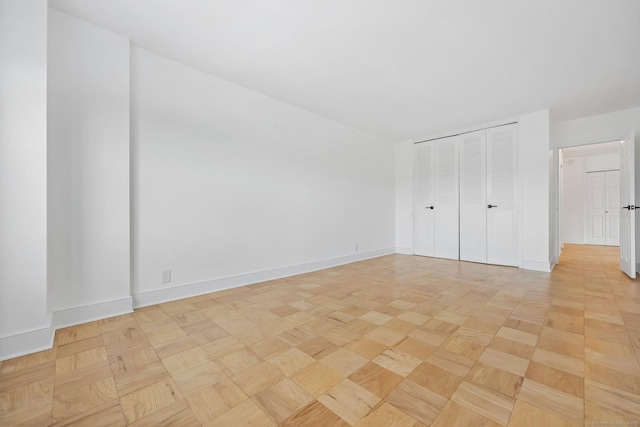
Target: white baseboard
{"type": "Point", "coordinates": [536, 265]}
{"type": "Point", "coordinates": [91, 312]}
{"type": "Point", "coordinates": [575, 242]}
{"type": "Point", "coordinates": [143, 299]}
{"type": "Point", "coordinates": [25, 343]}
{"type": "Point", "coordinates": [403, 251]}
{"type": "Point", "coordinates": [42, 339]}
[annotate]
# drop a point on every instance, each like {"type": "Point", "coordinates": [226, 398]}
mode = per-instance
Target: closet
{"type": "Point", "coordinates": [466, 197]}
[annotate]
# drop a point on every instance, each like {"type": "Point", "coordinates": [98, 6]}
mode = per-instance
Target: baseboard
{"type": "Point", "coordinates": [91, 312]}
{"type": "Point", "coordinates": [25, 343]}
{"type": "Point", "coordinates": [403, 251]}
{"type": "Point", "coordinates": [42, 339]}
{"type": "Point", "coordinates": [575, 242]}
{"type": "Point", "coordinates": [536, 265]}
{"type": "Point", "coordinates": [144, 299]}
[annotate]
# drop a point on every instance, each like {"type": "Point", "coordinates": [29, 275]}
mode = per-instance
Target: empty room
{"type": "Point", "coordinates": [319, 213]}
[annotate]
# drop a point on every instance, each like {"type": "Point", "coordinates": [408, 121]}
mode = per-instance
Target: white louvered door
{"type": "Point", "coordinates": [473, 196]}
{"type": "Point", "coordinates": [502, 219]}
{"type": "Point", "coordinates": [424, 199]}
{"type": "Point", "coordinates": [446, 198]}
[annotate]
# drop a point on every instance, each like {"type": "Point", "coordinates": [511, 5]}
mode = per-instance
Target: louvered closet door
{"type": "Point", "coordinates": [424, 217]}
{"type": "Point", "coordinates": [447, 237]}
{"type": "Point", "coordinates": [502, 239]}
{"type": "Point", "coordinates": [473, 196]}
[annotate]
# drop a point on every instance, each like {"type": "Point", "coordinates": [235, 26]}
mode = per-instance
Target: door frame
{"type": "Point", "coordinates": [558, 170]}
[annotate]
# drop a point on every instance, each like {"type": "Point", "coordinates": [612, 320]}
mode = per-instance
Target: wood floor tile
{"type": "Point", "coordinates": [496, 379]}
{"type": "Point", "coordinates": [366, 347]}
{"type": "Point", "coordinates": [376, 379]}
{"type": "Point", "coordinates": [419, 402]}
{"type": "Point", "coordinates": [387, 415]}
{"type": "Point", "coordinates": [526, 415]}
{"type": "Point", "coordinates": [258, 378]}
{"type": "Point", "coordinates": [318, 347]}
{"type": "Point", "coordinates": [491, 405]}
{"type": "Point", "coordinates": [344, 361]}
{"type": "Point", "coordinates": [106, 415]}
{"type": "Point", "coordinates": [556, 378]}
{"type": "Point", "coordinates": [176, 414]}
{"type": "Point", "coordinates": [508, 362]}
{"type": "Point", "coordinates": [147, 400]}
{"type": "Point", "coordinates": [215, 400]}
{"type": "Point", "coordinates": [185, 360]}
{"type": "Point", "coordinates": [314, 414]}
{"type": "Point", "coordinates": [455, 414]}
{"type": "Point", "coordinates": [70, 403]}
{"type": "Point", "coordinates": [317, 378]}
{"type": "Point", "coordinates": [197, 378]}
{"type": "Point", "coordinates": [245, 414]}
{"type": "Point", "coordinates": [398, 362]}
{"type": "Point", "coordinates": [435, 379]}
{"type": "Point", "coordinates": [553, 401]}
{"type": "Point", "coordinates": [349, 401]}
{"type": "Point", "coordinates": [282, 400]}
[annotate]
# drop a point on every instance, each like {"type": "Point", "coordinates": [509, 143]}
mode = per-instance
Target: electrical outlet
{"type": "Point", "coordinates": [355, 247]}
{"type": "Point", "coordinates": [166, 276]}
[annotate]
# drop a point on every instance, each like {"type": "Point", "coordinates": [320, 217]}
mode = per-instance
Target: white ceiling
{"type": "Point", "coordinates": [400, 68]}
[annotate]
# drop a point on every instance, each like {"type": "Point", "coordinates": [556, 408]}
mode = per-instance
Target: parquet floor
{"type": "Point", "coordinates": [393, 341]}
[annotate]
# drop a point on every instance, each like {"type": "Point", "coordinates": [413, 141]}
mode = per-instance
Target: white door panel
{"type": "Point", "coordinates": [473, 196]}
{"type": "Point", "coordinates": [627, 210]}
{"type": "Point", "coordinates": [502, 239]}
{"type": "Point", "coordinates": [446, 198]}
{"type": "Point", "coordinates": [595, 208]}
{"type": "Point", "coordinates": [424, 219]}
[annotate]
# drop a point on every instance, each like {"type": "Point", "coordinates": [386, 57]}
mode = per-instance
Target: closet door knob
{"type": "Point", "coordinates": [492, 206]}
{"type": "Point", "coordinates": [428, 207]}
{"type": "Point", "coordinates": [628, 207]}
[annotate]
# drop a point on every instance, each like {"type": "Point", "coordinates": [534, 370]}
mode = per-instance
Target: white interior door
{"type": "Point", "coordinates": [612, 208]}
{"type": "Point", "coordinates": [596, 208]}
{"type": "Point", "coordinates": [627, 210]}
{"type": "Point", "coordinates": [446, 210]}
{"type": "Point", "coordinates": [473, 196]}
{"type": "Point", "coordinates": [424, 200]}
{"type": "Point", "coordinates": [502, 238]}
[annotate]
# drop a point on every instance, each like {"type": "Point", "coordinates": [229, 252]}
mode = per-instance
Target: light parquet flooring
{"type": "Point", "coordinates": [392, 341]}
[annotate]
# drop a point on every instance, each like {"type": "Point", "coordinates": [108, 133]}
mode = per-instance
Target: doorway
{"type": "Point", "coordinates": [590, 194]}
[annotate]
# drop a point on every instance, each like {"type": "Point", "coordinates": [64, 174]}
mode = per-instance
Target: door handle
{"type": "Point", "coordinates": [628, 207]}
{"type": "Point", "coordinates": [428, 207]}
{"type": "Point", "coordinates": [492, 206]}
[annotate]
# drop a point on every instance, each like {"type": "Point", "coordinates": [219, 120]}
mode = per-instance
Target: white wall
{"type": "Point", "coordinates": [404, 196]}
{"type": "Point", "coordinates": [604, 127]}
{"type": "Point", "coordinates": [535, 205]}
{"type": "Point", "coordinates": [23, 173]}
{"type": "Point", "coordinates": [574, 202]}
{"type": "Point", "coordinates": [88, 176]}
{"type": "Point", "coordinates": [227, 181]}
{"type": "Point", "coordinates": [533, 143]}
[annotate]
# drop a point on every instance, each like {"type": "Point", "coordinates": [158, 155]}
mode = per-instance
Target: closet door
{"type": "Point", "coordinates": [502, 238]}
{"type": "Point", "coordinates": [612, 208]}
{"type": "Point", "coordinates": [596, 208]}
{"type": "Point", "coordinates": [447, 239]}
{"type": "Point", "coordinates": [424, 200]}
{"type": "Point", "coordinates": [473, 196]}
